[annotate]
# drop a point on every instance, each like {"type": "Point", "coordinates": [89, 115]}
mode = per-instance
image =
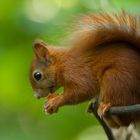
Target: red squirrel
{"type": "Point", "coordinates": [103, 61]}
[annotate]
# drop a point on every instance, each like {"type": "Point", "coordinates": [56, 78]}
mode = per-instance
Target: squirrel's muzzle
{"type": "Point", "coordinates": [37, 96]}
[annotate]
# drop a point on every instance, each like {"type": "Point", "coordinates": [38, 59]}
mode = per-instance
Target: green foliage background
{"type": "Point", "coordinates": [21, 22]}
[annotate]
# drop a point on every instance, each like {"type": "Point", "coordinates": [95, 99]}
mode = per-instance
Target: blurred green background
{"type": "Point", "coordinates": [21, 22]}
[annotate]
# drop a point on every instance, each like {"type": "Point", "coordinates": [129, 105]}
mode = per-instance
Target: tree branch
{"type": "Point", "coordinates": [124, 110]}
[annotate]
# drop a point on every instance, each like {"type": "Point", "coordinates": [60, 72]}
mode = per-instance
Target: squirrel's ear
{"type": "Point", "coordinates": [40, 49]}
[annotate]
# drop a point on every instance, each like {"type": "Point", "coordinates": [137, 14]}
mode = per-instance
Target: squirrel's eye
{"type": "Point", "coordinates": [38, 76]}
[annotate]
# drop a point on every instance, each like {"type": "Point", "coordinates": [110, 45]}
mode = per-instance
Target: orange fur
{"type": "Point", "coordinates": [104, 61]}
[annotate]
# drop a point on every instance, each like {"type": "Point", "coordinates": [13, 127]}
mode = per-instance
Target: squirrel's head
{"type": "Point", "coordinates": [44, 70]}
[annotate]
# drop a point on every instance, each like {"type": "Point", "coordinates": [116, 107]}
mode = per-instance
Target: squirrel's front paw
{"type": "Point", "coordinates": [52, 105]}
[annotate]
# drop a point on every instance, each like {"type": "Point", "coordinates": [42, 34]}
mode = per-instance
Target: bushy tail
{"type": "Point", "coordinates": [97, 29]}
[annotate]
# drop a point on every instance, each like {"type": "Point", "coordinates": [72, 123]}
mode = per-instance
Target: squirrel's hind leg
{"type": "Point", "coordinates": [114, 91]}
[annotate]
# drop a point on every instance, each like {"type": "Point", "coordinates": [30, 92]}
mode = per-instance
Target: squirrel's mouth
{"type": "Point", "coordinates": [52, 89]}
{"type": "Point", "coordinates": [40, 94]}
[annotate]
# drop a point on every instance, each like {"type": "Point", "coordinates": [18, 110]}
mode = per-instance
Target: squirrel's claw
{"type": "Point", "coordinates": [103, 107]}
{"type": "Point", "coordinates": [52, 105]}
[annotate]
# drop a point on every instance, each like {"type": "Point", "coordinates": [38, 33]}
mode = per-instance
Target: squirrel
{"type": "Point", "coordinates": [103, 61]}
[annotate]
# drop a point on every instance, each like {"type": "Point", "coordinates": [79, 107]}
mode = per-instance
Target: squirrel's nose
{"type": "Point", "coordinates": [37, 96]}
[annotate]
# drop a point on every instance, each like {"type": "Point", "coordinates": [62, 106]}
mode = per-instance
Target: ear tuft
{"type": "Point", "coordinates": [39, 41]}
{"type": "Point", "coordinates": [40, 49]}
